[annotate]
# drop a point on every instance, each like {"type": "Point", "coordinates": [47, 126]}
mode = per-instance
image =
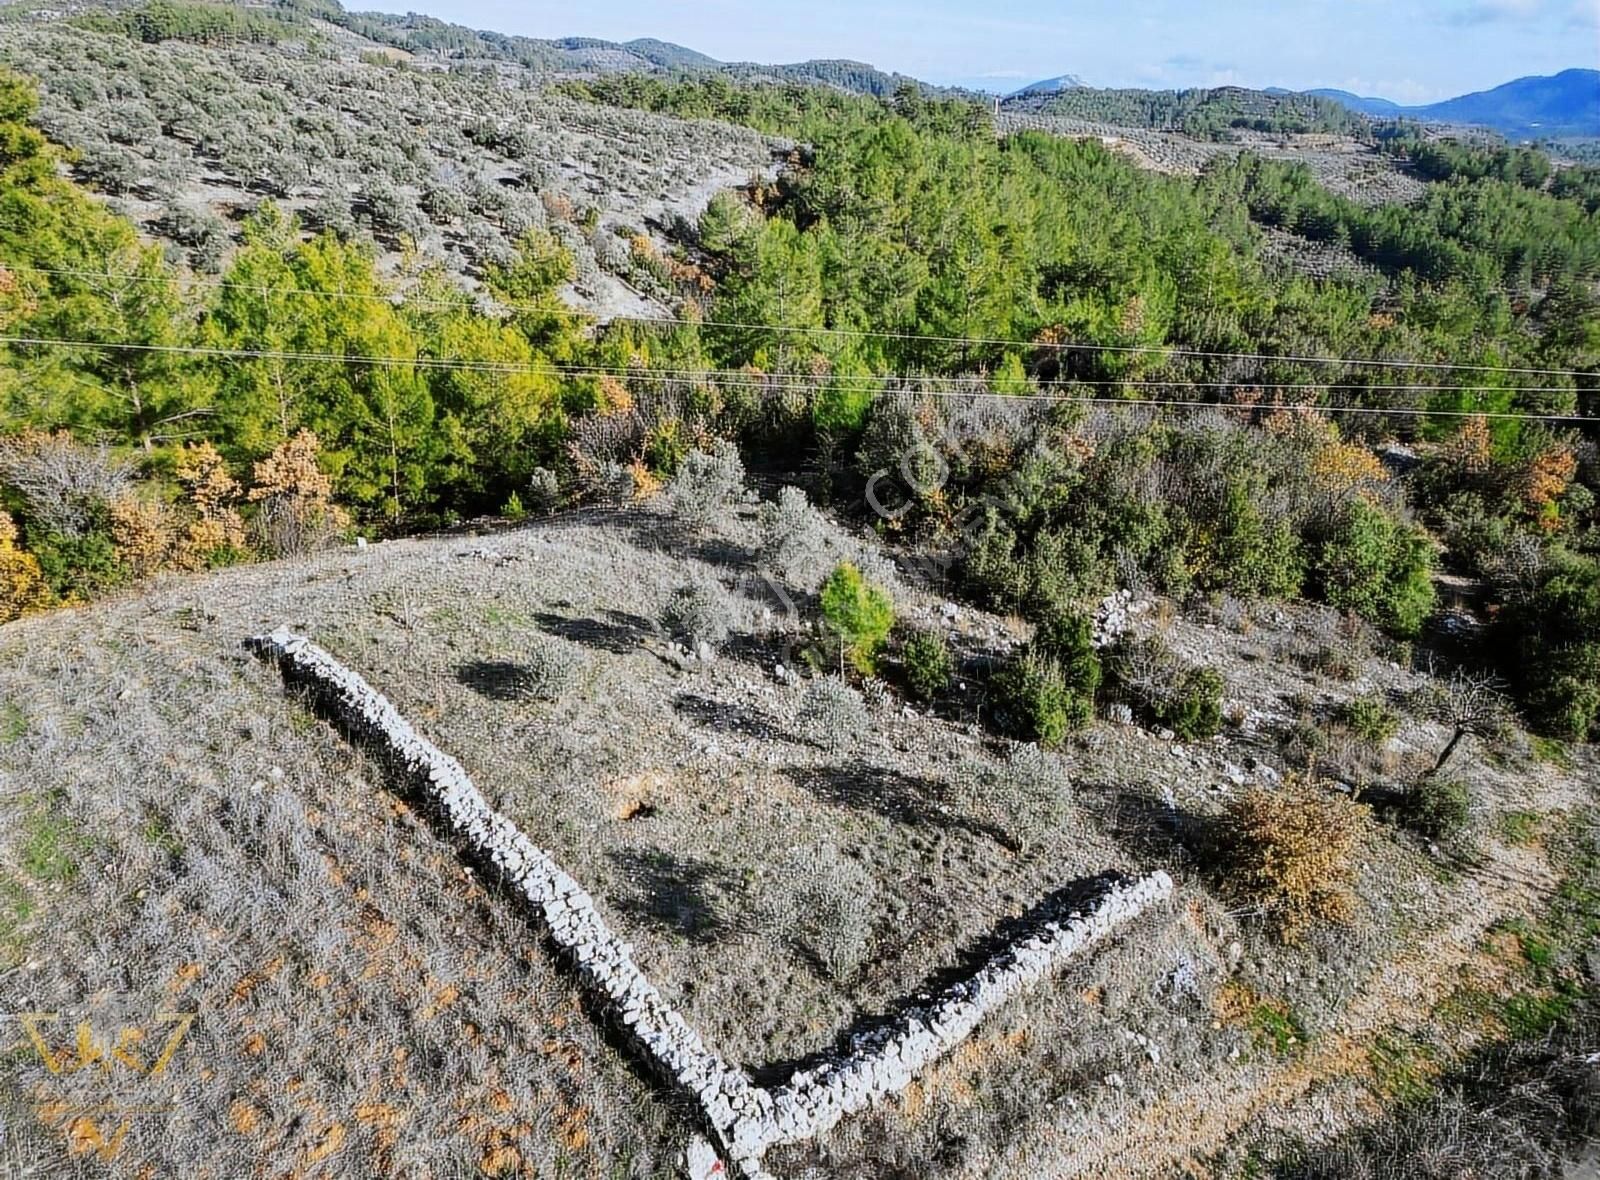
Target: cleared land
{"type": "Point", "coordinates": [178, 832]}
{"type": "Point", "coordinates": [186, 139]}
{"type": "Point", "coordinates": [1341, 165]}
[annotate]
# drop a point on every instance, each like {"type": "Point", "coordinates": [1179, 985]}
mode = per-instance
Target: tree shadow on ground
{"type": "Point", "coordinates": [667, 533]}
{"type": "Point", "coordinates": [734, 720]}
{"type": "Point", "coordinates": [1076, 895]}
{"type": "Point", "coordinates": [1148, 828]}
{"type": "Point", "coordinates": [677, 894]}
{"type": "Point", "coordinates": [903, 798]}
{"type": "Point", "coordinates": [499, 680]}
{"type": "Point", "coordinates": [616, 632]}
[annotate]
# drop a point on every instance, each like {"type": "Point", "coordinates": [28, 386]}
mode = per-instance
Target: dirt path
{"type": "Point", "coordinates": [1198, 1120]}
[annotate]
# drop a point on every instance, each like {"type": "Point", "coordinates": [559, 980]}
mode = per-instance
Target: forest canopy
{"type": "Point", "coordinates": [912, 295]}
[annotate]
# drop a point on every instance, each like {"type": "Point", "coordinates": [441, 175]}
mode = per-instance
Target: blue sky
{"type": "Point", "coordinates": [1410, 51]}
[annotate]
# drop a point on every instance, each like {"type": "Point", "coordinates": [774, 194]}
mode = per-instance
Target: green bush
{"type": "Point", "coordinates": [1369, 719]}
{"type": "Point", "coordinates": [1049, 689]}
{"type": "Point", "coordinates": [1437, 808]}
{"type": "Point", "coordinates": [1555, 633]}
{"type": "Point", "coordinates": [928, 664]}
{"type": "Point", "coordinates": [1034, 702]}
{"type": "Point", "coordinates": [858, 614]}
{"type": "Point", "coordinates": [1193, 708]}
{"type": "Point", "coordinates": [1379, 567]}
{"type": "Point", "coordinates": [1239, 550]}
{"type": "Point", "coordinates": [1068, 638]}
{"type": "Point", "coordinates": [1180, 697]}
{"type": "Point", "coordinates": [80, 567]}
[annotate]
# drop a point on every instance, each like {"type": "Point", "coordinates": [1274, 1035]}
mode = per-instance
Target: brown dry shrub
{"type": "Point", "coordinates": [213, 495]}
{"type": "Point", "coordinates": [145, 534]}
{"type": "Point", "coordinates": [297, 514]}
{"type": "Point", "coordinates": [1295, 848]}
{"type": "Point", "coordinates": [1471, 450]}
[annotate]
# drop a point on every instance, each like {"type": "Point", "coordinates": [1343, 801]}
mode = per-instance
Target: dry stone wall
{"type": "Point", "coordinates": [743, 1119]}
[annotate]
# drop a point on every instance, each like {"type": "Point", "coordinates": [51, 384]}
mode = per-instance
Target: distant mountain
{"type": "Point", "coordinates": [1380, 108]}
{"type": "Point", "coordinates": [1050, 86]}
{"type": "Point", "coordinates": [1565, 104]}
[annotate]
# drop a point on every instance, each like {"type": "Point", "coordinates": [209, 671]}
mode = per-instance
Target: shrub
{"type": "Point", "coordinates": [1034, 701]}
{"type": "Point", "coordinates": [697, 613]}
{"type": "Point", "coordinates": [793, 542]}
{"type": "Point", "coordinates": [1369, 719]}
{"type": "Point", "coordinates": [1184, 699]}
{"type": "Point", "coordinates": [1027, 799]}
{"type": "Point", "coordinates": [1049, 689]}
{"type": "Point", "coordinates": [547, 672]}
{"type": "Point", "coordinates": [1555, 630]}
{"type": "Point", "coordinates": [145, 535]}
{"type": "Point", "coordinates": [1379, 567]}
{"type": "Point", "coordinates": [64, 485]}
{"type": "Point", "coordinates": [823, 901]}
{"type": "Point", "coordinates": [928, 664]}
{"type": "Point", "coordinates": [544, 492]}
{"type": "Point", "coordinates": [22, 585]}
{"type": "Point", "coordinates": [1193, 707]}
{"type": "Point", "coordinates": [1068, 638]}
{"type": "Point", "coordinates": [833, 714]}
{"type": "Point", "coordinates": [858, 614]}
{"type": "Point", "coordinates": [294, 497]}
{"type": "Point", "coordinates": [215, 534]}
{"type": "Point", "coordinates": [1295, 849]}
{"type": "Point", "coordinates": [78, 566]}
{"type": "Point", "coordinates": [707, 485]}
{"type": "Point", "coordinates": [1437, 808]}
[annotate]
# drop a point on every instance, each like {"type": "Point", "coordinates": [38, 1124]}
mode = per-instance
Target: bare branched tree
{"type": "Point", "coordinates": [62, 481]}
{"type": "Point", "coordinates": [1472, 704]}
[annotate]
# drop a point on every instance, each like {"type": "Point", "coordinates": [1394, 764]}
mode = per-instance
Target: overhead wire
{"type": "Point", "coordinates": [916, 384]}
{"type": "Point", "coordinates": [1168, 351]}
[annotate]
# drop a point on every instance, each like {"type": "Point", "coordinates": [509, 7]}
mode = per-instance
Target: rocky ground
{"type": "Point", "coordinates": [786, 861]}
{"type": "Point", "coordinates": [1342, 165]}
{"type": "Point", "coordinates": [187, 139]}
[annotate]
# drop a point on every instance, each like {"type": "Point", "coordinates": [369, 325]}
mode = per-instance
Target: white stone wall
{"type": "Point", "coordinates": [743, 1119]}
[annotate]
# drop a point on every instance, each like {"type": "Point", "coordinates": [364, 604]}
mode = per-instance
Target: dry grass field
{"type": "Point", "coordinates": [179, 835]}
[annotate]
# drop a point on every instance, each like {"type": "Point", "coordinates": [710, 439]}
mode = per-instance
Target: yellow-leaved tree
{"type": "Point", "coordinates": [22, 585]}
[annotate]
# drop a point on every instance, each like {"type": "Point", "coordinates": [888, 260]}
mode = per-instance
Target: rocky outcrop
{"type": "Point", "coordinates": [743, 1119]}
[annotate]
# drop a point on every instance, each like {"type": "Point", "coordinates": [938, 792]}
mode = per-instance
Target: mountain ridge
{"type": "Point", "coordinates": [1562, 104]}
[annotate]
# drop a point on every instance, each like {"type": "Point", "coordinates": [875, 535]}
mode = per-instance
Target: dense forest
{"type": "Point", "coordinates": [964, 328]}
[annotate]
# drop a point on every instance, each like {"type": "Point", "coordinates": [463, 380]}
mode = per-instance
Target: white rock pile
{"type": "Point", "coordinates": [1114, 616]}
{"type": "Point", "coordinates": [743, 1119]}
{"type": "Point", "coordinates": [885, 1061]}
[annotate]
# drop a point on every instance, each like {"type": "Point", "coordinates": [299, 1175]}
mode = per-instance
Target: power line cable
{"type": "Point", "coordinates": [399, 299]}
{"type": "Point", "coordinates": [740, 378]}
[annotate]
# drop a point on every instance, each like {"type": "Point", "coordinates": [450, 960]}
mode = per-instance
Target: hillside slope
{"type": "Point", "coordinates": [181, 833]}
{"type": "Point", "coordinates": [1564, 104]}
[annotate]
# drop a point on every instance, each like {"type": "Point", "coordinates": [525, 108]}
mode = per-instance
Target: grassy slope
{"type": "Point", "coordinates": [183, 834]}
